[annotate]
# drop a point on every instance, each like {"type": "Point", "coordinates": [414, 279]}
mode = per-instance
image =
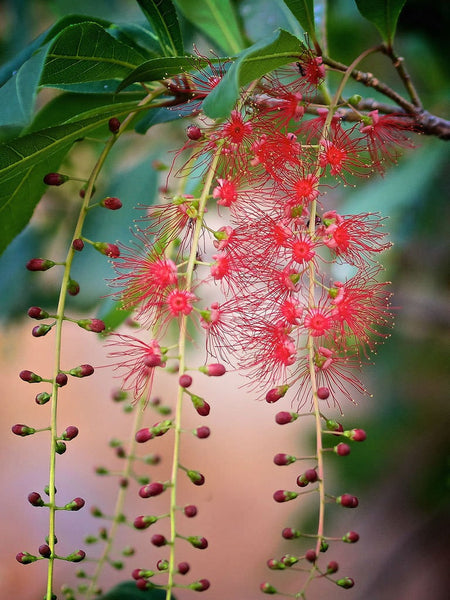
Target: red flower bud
{"type": "Point", "coordinates": [22, 430]}
{"type": "Point", "coordinates": [42, 398]}
{"type": "Point", "coordinates": [283, 459]}
{"type": "Point", "coordinates": [183, 568]}
{"type": "Point", "coordinates": [162, 565]}
{"type": "Point", "coordinates": [76, 504]}
{"type": "Point", "coordinates": [158, 540]}
{"type": "Point", "coordinates": [40, 330]}
{"type": "Point", "coordinates": [107, 249]}
{"type": "Point", "coordinates": [276, 393]}
{"type": "Point", "coordinates": [143, 435]}
{"type": "Point", "coordinates": [357, 435]}
{"type": "Point", "coordinates": [44, 550]}
{"type": "Point", "coordinates": [347, 500]}
{"type": "Point", "coordinates": [213, 370]}
{"type": "Point", "coordinates": [311, 475]}
{"type": "Point", "coordinates": [342, 449]}
{"type": "Point", "coordinates": [323, 393]}
{"type": "Point", "coordinates": [152, 489]}
{"type": "Point", "coordinates": [311, 556]}
{"type": "Point", "coordinates": [35, 312]}
{"type": "Point", "coordinates": [73, 287]}
{"type": "Point", "coordinates": [111, 203]}
{"type": "Point", "coordinates": [193, 132]}
{"type": "Point", "coordinates": [346, 583]}
{"type": "Point", "coordinates": [77, 556]}
{"type": "Point", "coordinates": [351, 537]}
{"type": "Point", "coordinates": [267, 588]}
{"type": "Point", "coordinates": [185, 380]}
{"type": "Point", "coordinates": [284, 496]}
{"type": "Point", "coordinates": [200, 405]}
{"type": "Point", "coordinates": [196, 477]}
{"type": "Point", "coordinates": [61, 379]}
{"type": "Point", "coordinates": [332, 567]}
{"type": "Point", "coordinates": [199, 586]}
{"type": "Point", "coordinates": [95, 325]}
{"type": "Point", "coordinates": [70, 433]}
{"type": "Point", "coordinates": [78, 244]}
{"type": "Point", "coordinates": [25, 558]}
{"type": "Point", "coordinates": [40, 264]}
{"type": "Point", "coordinates": [143, 522]}
{"type": "Point", "coordinates": [82, 371]}
{"type": "Point", "coordinates": [190, 510]}
{"type": "Point", "coordinates": [202, 432]}
{"type": "Point", "coordinates": [289, 533]}
{"type": "Point", "coordinates": [114, 125]}
{"type": "Point", "coordinates": [34, 498]}
{"type": "Point", "coordinates": [283, 417]}
{"type": "Point", "coordinates": [200, 543]}
{"type": "Point", "coordinates": [55, 179]}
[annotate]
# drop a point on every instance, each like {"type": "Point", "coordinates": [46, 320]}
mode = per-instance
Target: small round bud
{"type": "Point", "coordinates": [35, 312]}
{"type": "Point", "coordinates": [332, 567]}
{"type": "Point", "coordinates": [76, 504]}
{"type": "Point", "coordinates": [213, 370]}
{"type": "Point", "coordinates": [347, 500]}
{"type": "Point", "coordinates": [124, 482]}
{"type": "Point", "coordinates": [283, 417]}
{"type": "Point", "coordinates": [158, 540]}
{"type": "Point", "coordinates": [40, 264]}
{"type": "Point", "coordinates": [345, 582]}
{"type": "Point", "coordinates": [142, 522]}
{"type": "Point", "coordinates": [143, 435]}
{"type": "Point", "coordinates": [302, 481]}
{"type": "Point", "coordinates": [199, 586]}
{"type": "Point", "coordinates": [323, 393]}
{"type": "Point", "coordinates": [183, 568]}
{"type": "Point", "coordinates": [44, 550]}
{"type": "Point", "coordinates": [114, 125]}
{"type": "Point", "coordinates": [143, 584]}
{"type": "Point", "coordinates": [73, 287]}
{"type": "Point", "coordinates": [94, 325]}
{"type": "Point", "coordinates": [324, 546]}
{"type": "Point", "coordinates": [198, 542]}
{"type": "Point", "coordinates": [311, 556]}
{"type": "Point", "coordinates": [42, 398]}
{"type": "Point", "coordinates": [276, 393]}
{"type": "Point", "coordinates": [202, 432]}
{"type": "Point", "coordinates": [29, 377]}
{"type": "Point", "coordinates": [351, 537]}
{"type": "Point", "coordinates": [283, 459]}
{"type": "Point", "coordinates": [275, 565]}
{"type": "Point", "coordinates": [60, 447]}
{"type": "Point", "coordinates": [77, 556]}
{"type": "Point", "coordinates": [152, 489]}
{"type": "Point", "coordinates": [357, 435]}
{"type": "Point", "coordinates": [289, 560]}
{"type": "Point", "coordinates": [289, 533]}
{"type": "Point", "coordinates": [200, 405]}
{"type": "Point", "coordinates": [61, 379]}
{"type": "Point", "coordinates": [107, 249]}
{"type": "Point", "coordinates": [354, 100]}
{"type": "Point", "coordinates": [162, 565]}
{"type": "Point", "coordinates": [193, 132]}
{"type": "Point", "coordinates": [334, 426]}
{"type": "Point", "coordinates": [34, 498]}
{"type": "Point", "coordinates": [55, 179]}
{"type": "Point", "coordinates": [196, 477]}
{"type": "Point", "coordinates": [82, 371]}
{"type": "Point", "coordinates": [111, 203]}
{"type": "Point", "coordinates": [78, 244]}
{"type": "Point", "coordinates": [311, 475]}
{"type": "Point", "coordinates": [70, 432]}
{"type": "Point", "coordinates": [342, 449]}
{"type": "Point", "coordinates": [267, 588]}
{"type": "Point", "coordinates": [22, 430]}
{"type": "Point", "coordinates": [190, 510]}
{"type": "Point", "coordinates": [96, 512]}
{"type": "Point", "coordinates": [185, 380]}
{"type": "Point", "coordinates": [40, 330]}
{"type": "Point", "coordinates": [284, 496]}
{"type": "Point", "coordinates": [25, 558]}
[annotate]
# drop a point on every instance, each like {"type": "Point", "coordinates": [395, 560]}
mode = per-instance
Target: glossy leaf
{"type": "Point", "coordinates": [86, 52]}
{"type": "Point", "coordinates": [383, 14]}
{"type": "Point", "coordinates": [303, 11]}
{"type": "Point", "coordinates": [216, 19]}
{"type": "Point", "coordinates": [25, 160]}
{"type": "Point", "coordinates": [162, 15]}
{"type": "Point", "coordinates": [253, 63]}
{"type": "Point", "coordinates": [156, 69]}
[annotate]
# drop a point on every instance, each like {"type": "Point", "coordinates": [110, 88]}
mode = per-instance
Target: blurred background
{"type": "Point", "coordinates": [400, 473]}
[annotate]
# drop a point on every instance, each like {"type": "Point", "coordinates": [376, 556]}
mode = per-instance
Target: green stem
{"type": "Point", "coordinates": [182, 364]}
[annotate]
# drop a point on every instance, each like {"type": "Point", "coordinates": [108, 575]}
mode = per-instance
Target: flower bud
{"type": "Point", "coordinates": [152, 489]}
{"type": "Point", "coordinates": [190, 510]}
{"type": "Point", "coordinates": [107, 249]}
{"type": "Point", "coordinates": [199, 586]}
{"type": "Point", "coordinates": [69, 433]}
{"type": "Point", "coordinates": [25, 558]}
{"type": "Point", "coordinates": [283, 459]}
{"type": "Point", "coordinates": [200, 405]}
{"type": "Point", "coordinates": [22, 430]}
{"type": "Point", "coordinates": [289, 560]}
{"type": "Point", "coordinates": [40, 264]}
{"type": "Point", "coordinates": [275, 565]}
{"type": "Point", "coordinates": [82, 371]}
{"type": "Point", "coordinates": [323, 393]}
{"type": "Point", "coordinates": [311, 475]}
{"type": "Point", "coordinates": [162, 565]}
{"type": "Point", "coordinates": [143, 522]}
{"type": "Point", "coordinates": [185, 380]}
{"type": "Point", "coordinates": [213, 370]}
{"type": "Point", "coordinates": [283, 417]}
{"type": "Point", "coordinates": [60, 447]}
{"type": "Point", "coordinates": [78, 244]}
{"type": "Point", "coordinates": [183, 568]}
{"type": "Point", "coordinates": [42, 398]}
{"type": "Point", "coordinates": [284, 496]}
{"type": "Point", "coordinates": [35, 312]}
{"type": "Point", "coordinates": [61, 379]}
{"type": "Point", "coordinates": [267, 588]}
{"type": "Point", "coordinates": [342, 449]}
{"type": "Point", "coordinates": [351, 537]}
{"type": "Point", "coordinates": [324, 546]}
{"type": "Point", "coordinates": [34, 498]}
{"type": "Point", "coordinates": [276, 393]}
{"type": "Point", "coordinates": [73, 287]}
{"type": "Point", "coordinates": [44, 550]}
{"type": "Point", "coordinates": [143, 435]}
{"type": "Point", "coordinates": [114, 125]}
{"type": "Point", "coordinates": [357, 435]}
{"type": "Point", "coordinates": [41, 330]}
{"type": "Point", "coordinates": [302, 481]}
{"type": "Point", "coordinates": [193, 132]}
{"type": "Point", "coordinates": [289, 533]}
{"type": "Point", "coordinates": [198, 542]}
{"type": "Point", "coordinates": [111, 203]}
{"type": "Point", "coordinates": [202, 432]}
{"type": "Point", "coordinates": [311, 556]}
{"type": "Point", "coordinates": [196, 477]}
{"type": "Point", "coordinates": [158, 540]}
{"type": "Point", "coordinates": [77, 556]}
{"type": "Point", "coordinates": [76, 504]}
{"type": "Point", "coordinates": [334, 426]}
{"type": "Point", "coordinates": [29, 377]}
{"type": "Point", "coordinates": [55, 179]}
{"type": "Point", "coordinates": [347, 500]}
{"type": "Point", "coordinates": [345, 582]}
{"type": "Point", "coordinates": [94, 325]}
{"type": "Point", "coordinates": [332, 567]}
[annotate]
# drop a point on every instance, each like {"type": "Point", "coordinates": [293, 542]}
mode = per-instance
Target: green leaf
{"type": "Point", "coordinates": [86, 52]}
{"type": "Point", "coordinates": [25, 160]}
{"type": "Point", "coordinates": [156, 69]}
{"type": "Point", "coordinates": [383, 14]}
{"type": "Point", "coordinates": [161, 14]}
{"type": "Point", "coordinates": [254, 62]}
{"type": "Point", "coordinates": [303, 11]}
{"type": "Point", "coordinates": [127, 590]}
{"type": "Point", "coordinates": [217, 19]}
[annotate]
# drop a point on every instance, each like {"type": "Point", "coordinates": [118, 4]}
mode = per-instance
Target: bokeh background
{"type": "Point", "coordinates": [400, 473]}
